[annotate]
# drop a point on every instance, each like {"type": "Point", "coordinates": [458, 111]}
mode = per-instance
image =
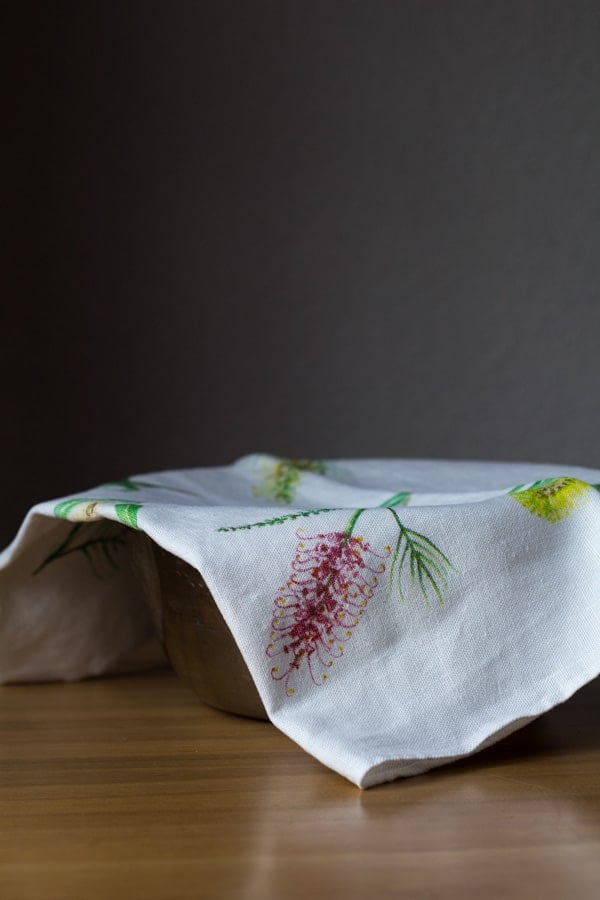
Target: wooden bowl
{"type": "Point", "coordinates": [198, 642]}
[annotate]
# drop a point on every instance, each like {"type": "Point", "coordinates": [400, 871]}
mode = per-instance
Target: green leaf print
{"type": "Point", "coordinates": [128, 484]}
{"type": "Point", "coordinates": [127, 513]}
{"type": "Point", "coordinates": [79, 509]}
{"type": "Point", "coordinates": [131, 484]}
{"type": "Point", "coordinates": [87, 509]}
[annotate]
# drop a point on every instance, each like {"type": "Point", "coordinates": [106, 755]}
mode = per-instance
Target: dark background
{"type": "Point", "coordinates": [310, 228]}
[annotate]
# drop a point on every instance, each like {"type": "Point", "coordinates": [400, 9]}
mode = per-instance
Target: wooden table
{"type": "Point", "coordinates": [129, 788]}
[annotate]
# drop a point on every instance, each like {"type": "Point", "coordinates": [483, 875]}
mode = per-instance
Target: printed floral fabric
{"type": "Point", "coordinates": [394, 614]}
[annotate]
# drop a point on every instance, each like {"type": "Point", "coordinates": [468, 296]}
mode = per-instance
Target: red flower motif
{"type": "Point", "coordinates": [333, 577]}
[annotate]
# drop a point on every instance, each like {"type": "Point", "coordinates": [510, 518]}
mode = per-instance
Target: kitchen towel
{"type": "Point", "coordinates": [394, 614]}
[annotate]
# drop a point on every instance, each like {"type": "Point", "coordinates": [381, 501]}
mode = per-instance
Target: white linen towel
{"type": "Point", "coordinates": [394, 614]}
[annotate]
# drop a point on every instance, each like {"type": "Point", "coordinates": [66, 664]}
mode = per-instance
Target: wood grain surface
{"type": "Point", "coordinates": [129, 788]}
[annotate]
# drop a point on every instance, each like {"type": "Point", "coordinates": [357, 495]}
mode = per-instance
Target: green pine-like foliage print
{"type": "Point", "coordinates": [100, 543]}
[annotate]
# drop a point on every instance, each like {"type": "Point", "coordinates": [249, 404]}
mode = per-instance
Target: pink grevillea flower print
{"type": "Point", "coordinates": [333, 577]}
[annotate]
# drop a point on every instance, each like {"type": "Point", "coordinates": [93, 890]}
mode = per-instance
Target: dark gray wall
{"type": "Point", "coordinates": [310, 228]}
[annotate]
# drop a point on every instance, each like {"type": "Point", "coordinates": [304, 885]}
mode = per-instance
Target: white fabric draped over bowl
{"type": "Point", "coordinates": [394, 614]}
